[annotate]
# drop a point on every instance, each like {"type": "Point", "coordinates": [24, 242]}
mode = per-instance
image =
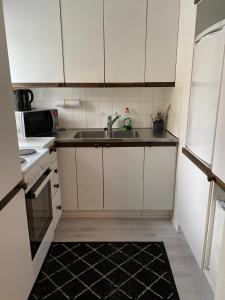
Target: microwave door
{"type": "Point", "coordinates": [38, 123]}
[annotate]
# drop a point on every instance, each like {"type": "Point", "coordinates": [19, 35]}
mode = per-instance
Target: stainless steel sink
{"type": "Point", "coordinates": [90, 134]}
{"type": "Point", "coordinates": [131, 134]}
{"type": "Point", "coordinates": [100, 134]}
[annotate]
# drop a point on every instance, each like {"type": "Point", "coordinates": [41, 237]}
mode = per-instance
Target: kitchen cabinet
{"type": "Point", "coordinates": [83, 46]}
{"type": "Point", "coordinates": [218, 166]}
{"type": "Point", "coordinates": [89, 178]}
{"type": "Point", "coordinates": [194, 193]}
{"type": "Point", "coordinates": [161, 42]}
{"type": "Point", "coordinates": [33, 32]}
{"type": "Point", "coordinates": [16, 276]}
{"type": "Point", "coordinates": [125, 32]}
{"type": "Point", "coordinates": [159, 177]}
{"type": "Point", "coordinates": [123, 178]}
{"type": "Point", "coordinates": [67, 177]}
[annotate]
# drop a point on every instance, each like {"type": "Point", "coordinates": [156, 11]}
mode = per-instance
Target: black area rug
{"type": "Point", "coordinates": [134, 270]}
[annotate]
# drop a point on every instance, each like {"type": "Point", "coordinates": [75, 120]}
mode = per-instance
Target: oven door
{"type": "Point", "coordinates": [39, 210]}
{"type": "Point", "coordinates": [38, 123]}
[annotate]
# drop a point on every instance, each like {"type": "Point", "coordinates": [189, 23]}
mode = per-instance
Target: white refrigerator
{"type": "Point", "coordinates": [205, 92]}
{"type": "Point", "coordinates": [16, 271]}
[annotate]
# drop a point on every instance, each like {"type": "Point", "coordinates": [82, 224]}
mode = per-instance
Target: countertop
{"type": "Point", "coordinates": [146, 137]}
{"type": "Point", "coordinates": [37, 142]}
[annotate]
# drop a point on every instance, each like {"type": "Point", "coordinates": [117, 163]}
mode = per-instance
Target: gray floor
{"type": "Point", "coordinates": [190, 280]}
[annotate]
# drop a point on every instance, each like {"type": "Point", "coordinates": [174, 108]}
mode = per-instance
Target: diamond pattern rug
{"type": "Point", "coordinates": [117, 270]}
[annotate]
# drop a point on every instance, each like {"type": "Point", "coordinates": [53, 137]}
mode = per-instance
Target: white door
{"type": "Point", "coordinates": [194, 198]}
{"type": "Point", "coordinates": [67, 177]}
{"type": "Point", "coordinates": [125, 32]}
{"type": "Point", "coordinates": [10, 170]}
{"type": "Point", "coordinates": [159, 177]}
{"type": "Point", "coordinates": [123, 178]}
{"type": "Point", "coordinates": [218, 166]}
{"type": "Point", "coordinates": [204, 98]}
{"type": "Point", "coordinates": [161, 43]}
{"type": "Point", "coordinates": [83, 46]}
{"type": "Point", "coordinates": [33, 33]}
{"type": "Point", "coordinates": [89, 178]}
{"type": "Point", "coordinates": [16, 275]}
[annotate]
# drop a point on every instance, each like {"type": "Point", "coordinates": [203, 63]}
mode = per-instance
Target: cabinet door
{"type": "Point", "coordinates": [194, 197]}
{"type": "Point", "coordinates": [82, 27]}
{"type": "Point", "coordinates": [125, 32]}
{"type": "Point", "coordinates": [123, 178]}
{"type": "Point", "coordinates": [161, 46]}
{"type": "Point", "coordinates": [67, 177]}
{"type": "Point", "coordinates": [34, 40]}
{"type": "Point", "coordinates": [218, 166]}
{"type": "Point", "coordinates": [16, 276]}
{"type": "Point", "coordinates": [159, 177]}
{"type": "Point", "coordinates": [89, 178]}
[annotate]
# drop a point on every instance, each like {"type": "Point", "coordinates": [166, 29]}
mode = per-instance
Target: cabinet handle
{"type": "Point", "coordinates": [107, 145]}
{"type": "Point", "coordinates": [59, 207]}
{"type": "Point", "coordinates": [56, 171]}
{"type": "Point", "coordinates": [56, 186]}
{"type": "Point", "coordinates": [96, 145]}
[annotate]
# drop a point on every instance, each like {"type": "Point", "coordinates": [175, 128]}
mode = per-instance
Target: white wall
{"type": "Point", "coordinates": [183, 81]}
{"type": "Point", "coordinates": [97, 103]}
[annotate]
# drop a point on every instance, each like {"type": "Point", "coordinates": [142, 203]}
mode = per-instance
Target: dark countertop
{"type": "Point", "coordinates": [146, 137]}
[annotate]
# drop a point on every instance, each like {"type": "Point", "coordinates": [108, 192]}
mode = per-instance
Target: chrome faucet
{"type": "Point", "coordinates": [110, 123]}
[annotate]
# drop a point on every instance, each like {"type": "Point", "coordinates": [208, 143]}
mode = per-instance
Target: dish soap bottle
{"type": "Point", "coordinates": [126, 120]}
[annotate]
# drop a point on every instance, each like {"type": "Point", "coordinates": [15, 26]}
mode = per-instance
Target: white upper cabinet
{"type": "Point", "coordinates": [89, 178]}
{"type": "Point", "coordinates": [161, 46]}
{"type": "Point", "coordinates": [125, 33]}
{"type": "Point", "coordinates": [34, 40]}
{"type": "Point", "coordinates": [83, 46]}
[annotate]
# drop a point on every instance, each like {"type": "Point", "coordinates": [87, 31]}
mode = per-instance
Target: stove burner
{"type": "Point", "coordinates": [25, 152]}
{"type": "Point", "coordinates": [22, 160]}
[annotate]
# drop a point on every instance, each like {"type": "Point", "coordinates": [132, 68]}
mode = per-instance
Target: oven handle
{"type": "Point", "coordinates": [36, 193]}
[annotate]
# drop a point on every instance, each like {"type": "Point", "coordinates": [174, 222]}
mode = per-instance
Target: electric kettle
{"type": "Point", "coordinates": [23, 99]}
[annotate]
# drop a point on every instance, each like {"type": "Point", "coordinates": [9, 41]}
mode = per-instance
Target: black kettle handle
{"type": "Point", "coordinates": [32, 96]}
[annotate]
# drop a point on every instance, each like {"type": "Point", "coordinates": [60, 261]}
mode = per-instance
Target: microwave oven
{"type": "Point", "coordinates": [36, 123]}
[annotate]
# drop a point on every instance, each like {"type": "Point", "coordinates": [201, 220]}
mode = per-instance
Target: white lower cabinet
{"type": "Point", "coordinates": [89, 178]}
{"type": "Point", "coordinates": [194, 193]}
{"type": "Point", "coordinates": [159, 177]}
{"type": "Point", "coordinates": [68, 177]}
{"type": "Point", "coordinates": [16, 276]}
{"type": "Point", "coordinates": [123, 178]}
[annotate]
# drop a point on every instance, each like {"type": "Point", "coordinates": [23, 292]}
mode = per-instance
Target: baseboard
{"type": "Point", "coordinates": [118, 214]}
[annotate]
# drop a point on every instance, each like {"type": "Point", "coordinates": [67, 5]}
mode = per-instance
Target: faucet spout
{"type": "Point", "coordinates": [110, 123]}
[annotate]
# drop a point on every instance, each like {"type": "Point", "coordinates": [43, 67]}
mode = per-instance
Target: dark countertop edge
{"type": "Point", "coordinates": [206, 170]}
{"type": "Point", "coordinates": [110, 143]}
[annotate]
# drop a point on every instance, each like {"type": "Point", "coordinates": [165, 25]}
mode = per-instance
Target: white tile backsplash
{"type": "Point", "coordinates": [97, 103]}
